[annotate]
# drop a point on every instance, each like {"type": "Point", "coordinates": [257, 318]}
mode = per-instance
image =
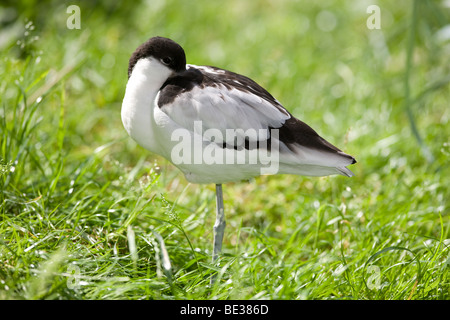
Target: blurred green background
{"type": "Point", "coordinates": [292, 48]}
{"type": "Point", "coordinates": [381, 95]}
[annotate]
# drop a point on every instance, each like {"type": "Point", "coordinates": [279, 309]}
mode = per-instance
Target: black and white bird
{"type": "Point", "coordinates": [217, 126]}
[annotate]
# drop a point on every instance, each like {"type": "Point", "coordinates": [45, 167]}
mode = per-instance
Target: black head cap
{"type": "Point", "coordinates": [167, 51]}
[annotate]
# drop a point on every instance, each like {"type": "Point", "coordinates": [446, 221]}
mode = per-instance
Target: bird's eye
{"type": "Point", "coordinates": [166, 60]}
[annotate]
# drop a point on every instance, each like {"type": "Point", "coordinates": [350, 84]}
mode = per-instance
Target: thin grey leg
{"type": "Point", "coordinates": [219, 226]}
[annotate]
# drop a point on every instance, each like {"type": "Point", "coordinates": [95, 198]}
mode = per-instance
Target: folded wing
{"type": "Point", "coordinates": [223, 100]}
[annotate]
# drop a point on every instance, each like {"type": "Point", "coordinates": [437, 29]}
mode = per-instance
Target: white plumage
{"type": "Point", "coordinates": [218, 114]}
{"type": "Point", "coordinates": [219, 108]}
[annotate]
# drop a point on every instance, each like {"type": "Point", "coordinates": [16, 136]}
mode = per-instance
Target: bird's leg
{"type": "Point", "coordinates": [219, 226]}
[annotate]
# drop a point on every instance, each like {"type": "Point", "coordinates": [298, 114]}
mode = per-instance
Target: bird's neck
{"type": "Point", "coordinates": [138, 107]}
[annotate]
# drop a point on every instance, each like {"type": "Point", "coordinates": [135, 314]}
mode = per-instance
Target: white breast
{"type": "Point", "coordinates": [139, 102]}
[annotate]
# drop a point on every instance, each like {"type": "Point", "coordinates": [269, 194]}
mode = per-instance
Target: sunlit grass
{"type": "Point", "coordinates": [88, 214]}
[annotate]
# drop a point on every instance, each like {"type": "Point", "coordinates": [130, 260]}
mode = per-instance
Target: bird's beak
{"type": "Point", "coordinates": [176, 73]}
{"type": "Point", "coordinates": [172, 75]}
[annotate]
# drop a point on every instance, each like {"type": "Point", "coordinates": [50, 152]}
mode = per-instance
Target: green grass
{"type": "Point", "coordinates": [85, 213]}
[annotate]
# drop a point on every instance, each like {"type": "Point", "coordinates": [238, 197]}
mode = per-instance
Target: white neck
{"type": "Point", "coordinates": [139, 102]}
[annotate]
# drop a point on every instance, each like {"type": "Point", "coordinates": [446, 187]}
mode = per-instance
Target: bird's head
{"type": "Point", "coordinates": [158, 57]}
